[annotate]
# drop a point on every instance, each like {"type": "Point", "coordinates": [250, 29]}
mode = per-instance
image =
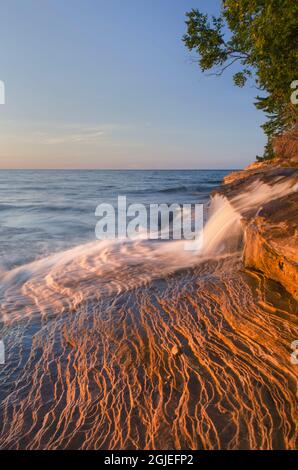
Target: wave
{"type": "Point", "coordinates": [203, 188]}
{"type": "Point", "coordinates": [103, 268]}
{"type": "Point", "coordinates": [101, 357]}
{"type": "Point", "coordinates": [42, 207]}
{"type": "Point", "coordinates": [175, 189]}
{"type": "Point", "coordinates": [192, 189]}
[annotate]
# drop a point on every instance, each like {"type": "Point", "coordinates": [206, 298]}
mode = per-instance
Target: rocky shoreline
{"type": "Point", "coordinates": [270, 233]}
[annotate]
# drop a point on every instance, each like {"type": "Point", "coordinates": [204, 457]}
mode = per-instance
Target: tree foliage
{"type": "Point", "coordinates": [261, 36]}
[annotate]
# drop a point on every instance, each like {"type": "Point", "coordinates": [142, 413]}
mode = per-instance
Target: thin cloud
{"type": "Point", "coordinates": [84, 136]}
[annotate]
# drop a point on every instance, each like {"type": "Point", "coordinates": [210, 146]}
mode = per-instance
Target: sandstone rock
{"type": "Point", "coordinates": [175, 350]}
{"type": "Point", "coordinates": [271, 242]}
{"type": "Point", "coordinates": [286, 147]}
{"type": "Point", "coordinates": [271, 232]}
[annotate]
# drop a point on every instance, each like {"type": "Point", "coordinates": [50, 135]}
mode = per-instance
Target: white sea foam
{"type": "Point", "coordinates": [100, 268]}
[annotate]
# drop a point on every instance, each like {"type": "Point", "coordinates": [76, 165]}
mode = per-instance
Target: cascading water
{"type": "Point", "coordinates": [90, 333]}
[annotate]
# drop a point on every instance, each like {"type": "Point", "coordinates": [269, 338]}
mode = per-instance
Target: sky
{"type": "Point", "coordinates": [110, 84]}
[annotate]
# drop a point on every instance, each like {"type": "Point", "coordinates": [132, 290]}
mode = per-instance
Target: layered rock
{"type": "Point", "coordinates": [271, 229]}
{"type": "Point", "coordinates": [271, 242]}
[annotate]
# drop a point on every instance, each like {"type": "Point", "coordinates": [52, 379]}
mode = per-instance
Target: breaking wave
{"type": "Point", "coordinates": [136, 344]}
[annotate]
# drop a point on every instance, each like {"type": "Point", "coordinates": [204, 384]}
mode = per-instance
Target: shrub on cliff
{"type": "Point", "coordinates": [262, 37]}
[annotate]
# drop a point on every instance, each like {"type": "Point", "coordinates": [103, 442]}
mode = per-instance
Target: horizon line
{"type": "Point", "coordinates": [121, 169]}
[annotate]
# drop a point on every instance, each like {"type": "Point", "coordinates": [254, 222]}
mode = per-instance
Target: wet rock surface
{"type": "Point", "coordinates": [271, 231]}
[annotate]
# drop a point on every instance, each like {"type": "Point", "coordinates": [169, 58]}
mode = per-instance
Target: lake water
{"type": "Point", "coordinates": [137, 344]}
{"type": "Point", "coordinates": [42, 212]}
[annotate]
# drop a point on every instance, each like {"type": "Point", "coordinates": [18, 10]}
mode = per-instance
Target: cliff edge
{"type": "Point", "coordinates": [271, 231]}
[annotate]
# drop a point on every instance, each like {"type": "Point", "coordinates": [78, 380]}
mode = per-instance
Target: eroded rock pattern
{"type": "Point", "coordinates": [104, 376]}
{"type": "Point", "coordinates": [271, 230]}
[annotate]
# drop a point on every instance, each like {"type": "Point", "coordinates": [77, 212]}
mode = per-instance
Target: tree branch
{"type": "Point", "coordinates": [218, 74]}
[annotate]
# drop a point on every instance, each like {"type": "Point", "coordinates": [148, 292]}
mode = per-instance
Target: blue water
{"type": "Point", "coordinates": [44, 211]}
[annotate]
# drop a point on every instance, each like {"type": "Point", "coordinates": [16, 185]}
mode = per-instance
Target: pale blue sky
{"type": "Point", "coordinates": [109, 84]}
